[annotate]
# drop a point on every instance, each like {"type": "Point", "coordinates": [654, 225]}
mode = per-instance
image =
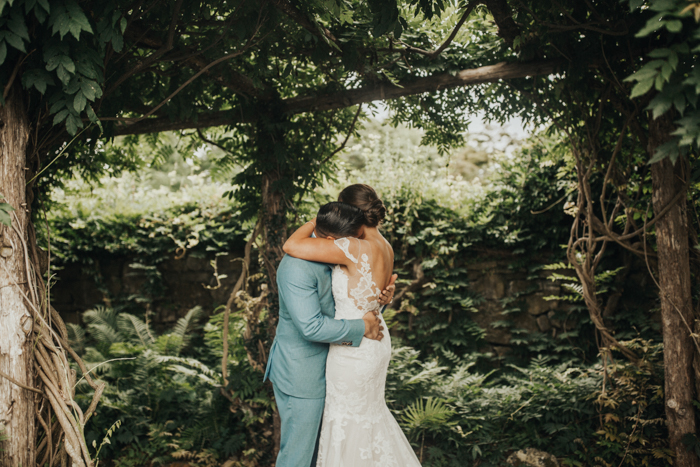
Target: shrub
{"type": "Point", "coordinates": [585, 416]}
{"type": "Point", "coordinates": [166, 391]}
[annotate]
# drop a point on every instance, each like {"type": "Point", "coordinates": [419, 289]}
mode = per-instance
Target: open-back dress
{"type": "Point", "coordinates": [358, 430]}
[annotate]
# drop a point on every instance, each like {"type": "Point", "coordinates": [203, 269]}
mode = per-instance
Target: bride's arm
{"type": "Point", "coordinates": [323, 250]}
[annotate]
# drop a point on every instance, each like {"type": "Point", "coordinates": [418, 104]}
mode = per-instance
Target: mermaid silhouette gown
{"type": "Point", "coordinates": [358, 430]}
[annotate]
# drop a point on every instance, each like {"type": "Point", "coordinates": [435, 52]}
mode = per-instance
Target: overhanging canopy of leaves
{"type": "Point", "coordinates": [283, 74]}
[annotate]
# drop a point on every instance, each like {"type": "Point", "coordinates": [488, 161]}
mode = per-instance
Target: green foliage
{"type": "Point", "coordinates": [164, 391]}
{"type": "Point", "coordinates": [438, 224]}
{"type": "Point", "coordinates": [458, 416]}
{"type": "Point", "coordinates": [71, 46]}
{"type": "Point", "coordinates": [114, 67]}
{"type": "Point", "coordinates": [631, 406]}
{"type": "Point", "coordinates": [575, 289]}
{"type": "Point", "coordinates": [105, 440]}
{"type": "Point", "coordinates": [170, 407]}
{"type": "Point", "coordinates": [153, 226]}
{"type": "Point", "coordinates": [426, 414]}
{"type": "Point", "coordinates": [672, 30]}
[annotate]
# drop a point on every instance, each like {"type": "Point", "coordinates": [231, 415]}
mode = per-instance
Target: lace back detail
{"type": "Point", "coordinates": [362, 289]}
{"type": "Point", "coordinates": [344, 245]}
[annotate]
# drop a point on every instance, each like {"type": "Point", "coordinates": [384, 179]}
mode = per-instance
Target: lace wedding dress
{"type": "Point", "coordinates": [357, 429]}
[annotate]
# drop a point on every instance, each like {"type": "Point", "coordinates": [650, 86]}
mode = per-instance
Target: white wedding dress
{"type": "Point", "coordinates": [358, 430]}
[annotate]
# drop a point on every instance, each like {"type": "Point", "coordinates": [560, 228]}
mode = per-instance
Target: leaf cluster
{"type": "Point", "coordinates": [164, 390]}
{"type": "Point", "coordinates": [459, 416]}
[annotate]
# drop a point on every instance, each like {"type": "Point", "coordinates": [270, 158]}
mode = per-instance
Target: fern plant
{"type": "Point", "coordinates": [572, 284]}
{"type": "Point", "coordinates": [426, 415]}
{"type": "Point", "coordinates": [460, 416]}
{"type": "Point", "coordinates": [105, 440]}
{"type": "Point", "coordinates": [165, 391]}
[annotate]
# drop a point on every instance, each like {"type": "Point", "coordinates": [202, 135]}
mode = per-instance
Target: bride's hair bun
{"type": "Point", "coordinates": [375, 214]}
{"type": "Point", "coordinates": [364, 197]}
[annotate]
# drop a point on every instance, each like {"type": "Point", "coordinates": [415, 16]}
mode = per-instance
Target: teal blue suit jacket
{"type": "Point", "coordinates": [297, 361]}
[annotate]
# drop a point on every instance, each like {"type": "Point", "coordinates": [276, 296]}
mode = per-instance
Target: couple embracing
{"type": "Point", "coordinates": [330, 398]}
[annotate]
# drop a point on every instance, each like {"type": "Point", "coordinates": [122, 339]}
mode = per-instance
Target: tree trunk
{"type": "Point", "coordinates": [274, 226]}
{"type": "Point", "coordinates": [274, 234]}
{"type": "Point", "coordinates": [17, 405]}
{"type": "Point", "coordinates": [676, 299]}
{"type": "Point", "coordinates": [271, 151]}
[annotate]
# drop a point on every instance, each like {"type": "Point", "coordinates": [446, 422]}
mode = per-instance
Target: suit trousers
{"type": "Point", "coordinates": [301, 425]}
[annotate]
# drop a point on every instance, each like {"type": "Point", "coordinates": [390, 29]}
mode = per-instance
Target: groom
{"type": "Point", "coordinates": [297, 362]}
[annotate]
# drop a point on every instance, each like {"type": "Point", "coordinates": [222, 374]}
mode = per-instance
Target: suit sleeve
{"type": "Point", "coordinates": [300, 296]}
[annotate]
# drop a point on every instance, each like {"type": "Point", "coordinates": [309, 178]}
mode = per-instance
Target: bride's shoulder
{"type": "Point", "coordinates": [378, 241]}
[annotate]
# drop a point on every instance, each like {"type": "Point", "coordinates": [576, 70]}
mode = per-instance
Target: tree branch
{"type": "Point", "coordinates": [186, 83]}
{"type": "Point", "coordinates": [233, 80]}
{"type": "Point", "coordinates": [300, 18]}
{"type": "Point", "coordinates": [418, 280]}
{"type": "Point", "coordinates": [155, 55]}
{"type": "Point", "coordinates": [347, 137]}
{"type": "Point", "coordinates": [349, 98]}
{"type": "Point", "coordinates": [503, 16]}
{"type": "Point", "coordinates": [17, 383]}
{"type": "Point", "coordinates": [208, 141]}
{"type": "Point", "coordinates": [448, 41]}
{"type": "Point", "coordinates": [467, 12]}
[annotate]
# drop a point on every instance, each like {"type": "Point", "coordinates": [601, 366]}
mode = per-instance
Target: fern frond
{"type": "Point", "coordinates": [102, 324]}
{"type": "Point", "coordinates": [168, 344]}
{"type": "Point", "coordinates": [426, 413]}
{"type": "Point", "coordinates": [185, 325]}
{"type": "Point", "coordinates": [608, 275]}
{"type": "Point", "coordinates": [202, 369]}
{"type": "Point", "coordinates": [135, 330]}
{"type": "Point", "coordinates": [575, 288]}
{"type": "Point", "coordinates": [429, 371]}
{"type": "Point", "coordinates": [556, 266]}
{"type": "Point", "coordinates": [191, 372]}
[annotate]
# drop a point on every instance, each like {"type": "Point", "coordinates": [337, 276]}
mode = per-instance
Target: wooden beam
{"type": "Point", "coordinates": [351, 97]}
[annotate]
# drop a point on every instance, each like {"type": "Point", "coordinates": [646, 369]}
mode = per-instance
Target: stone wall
{"type": "Point", "coordinates": [514, 295]}
{"type": "Point", "coordinates": [517, 295]}
{"type": "Point", "coordinates": [188, 281]}
{"type": "Point", "coordinates": [511, 293]}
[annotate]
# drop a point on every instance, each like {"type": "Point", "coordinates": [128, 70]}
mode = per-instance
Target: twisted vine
{"type": "Point", "coordinates": [61, 420]}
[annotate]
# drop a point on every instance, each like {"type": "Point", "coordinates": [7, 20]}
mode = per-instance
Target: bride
{"type": "Point", "coordinates": [357, 429]}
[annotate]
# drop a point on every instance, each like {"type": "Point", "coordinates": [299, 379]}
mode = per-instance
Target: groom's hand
{"type": "Point", "coordinates": [387, 295]}
{"type": "Point", "coordinates": [373, 326]}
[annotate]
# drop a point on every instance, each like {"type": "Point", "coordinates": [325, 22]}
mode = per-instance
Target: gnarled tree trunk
{"type": "Point", "coordinates": [17, 405]}
{"type": "Point", "coordinates": [676, 299]}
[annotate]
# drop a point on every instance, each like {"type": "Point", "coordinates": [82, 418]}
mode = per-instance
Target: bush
{"type": "Point", "coordinates": [167, 391]}
{"type": "Point", "coordinates": [583, 415]}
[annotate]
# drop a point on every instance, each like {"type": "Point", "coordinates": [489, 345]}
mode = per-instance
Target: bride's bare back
{"type": "Point", "coordinates": [369, 271]}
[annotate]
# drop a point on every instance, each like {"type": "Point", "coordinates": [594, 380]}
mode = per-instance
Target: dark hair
{"type": "Point", "coordinates": [339, 220]}
{"type": "Point", "coordinates": [364, 197]}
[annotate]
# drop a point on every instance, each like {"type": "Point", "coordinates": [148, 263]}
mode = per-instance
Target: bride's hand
{"type": "Point", "coordinates": [387, 295]}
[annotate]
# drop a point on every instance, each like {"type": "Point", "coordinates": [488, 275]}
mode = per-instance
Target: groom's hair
{"type": "Point", "coordinates": [364, 197]}
{"type": "Point", "coordinates": [339, 220]}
